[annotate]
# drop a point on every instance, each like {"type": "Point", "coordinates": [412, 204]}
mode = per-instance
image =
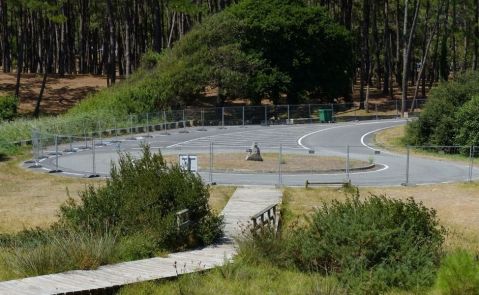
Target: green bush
{"type": "Point", "coordinates": [448, 118]}
{"type": "Point", "coordinates": [370, 245]}
{"type": "Point", "coordinates": [459, 274]}
{"type": "Point", "coordinates": [143, 196]}
{"type": "Point", "coordinates": [8, 108]}
{"type": "Point", "coordinates": [468, 129]}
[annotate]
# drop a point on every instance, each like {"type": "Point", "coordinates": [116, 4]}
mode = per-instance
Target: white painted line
{"type": "Point", "coordinates": [370, 132]}
{"type": "Point", "coordinates": [300, 140]}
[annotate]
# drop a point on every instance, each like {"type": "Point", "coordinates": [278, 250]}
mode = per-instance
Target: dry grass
{"type": "Point", "coordinates": [32, 199]}
{"type": "Point", "coordinates": [391, 139]}
{"type": "Point", "coordinates": [457, 205]}
{"type": "Point", "coordinates": [219, 196]}
{"type": "Point", "coordinates": [290, 163]}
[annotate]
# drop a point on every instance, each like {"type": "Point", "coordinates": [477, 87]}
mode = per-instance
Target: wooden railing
{"type": "Point", "coordinates": [182, 219]}
{"type": "Point", "coordinates": [310, 183]}
{"type": "Point", "coordinates": [268, 216]}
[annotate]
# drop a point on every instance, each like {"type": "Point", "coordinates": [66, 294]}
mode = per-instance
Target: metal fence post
{"type": "Point", "coordinates": [280, 160]}
{"type": "Point", "coordinates": [266, 115]}
{"type": "Point", "coordinates": [35, 151]}
{"type": "Point", "coordinates": [332, 112]}
{"type": "Point", "coordinates": [56, 170]}
{"type": "Point", "coordinates": [471, 162]}
{"type": "Point", "coordinates": [407, 166]}
{"type": "Point", "coordinates": [184, 121]}
{"type": "Point", "coordinates": [222, 117]}
{"type": "Point", "coordinates": [289, 119]}
{"type": "Point", "coordinates": [376, 110]}
{"type": "Point", "coordinates": [243, 116]}
{"type": "Point", "coordinates": [147, 125]}
{"type": "Point", "coordinates": [211, 162]}
{"type": "Point", "coordinates": [99, 134]}
{"type": "Point", "coordinates": [202, 119]}
{"type": "Point", "coordinates": [347, 164]}
{"type": "Point", "coordinates": [130, 119]}
{"type": "Point", "coordinates": [309, 113]}
{"type": "Point", "coordinates": [397, 110]}
{"type": "Point", "coordinates": [93, 175]}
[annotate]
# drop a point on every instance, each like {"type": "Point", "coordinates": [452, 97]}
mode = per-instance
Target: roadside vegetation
{"type": "Point", "coordinates": [345, 243]}
{"type": "Point", "coordinates": [450, 116]}
{"type": "Point", "coordinates": [132, 216]}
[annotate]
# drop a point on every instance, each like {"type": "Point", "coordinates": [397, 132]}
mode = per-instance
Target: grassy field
{"type": "Point", "coordinates": [31, 199]}
{"type": "Point", "coordinates": [457, 206]}
{"type": "Point", "coordinates": [392, 139]}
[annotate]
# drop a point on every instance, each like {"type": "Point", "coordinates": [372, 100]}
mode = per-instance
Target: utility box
{"type": "Point", "coordinates": [325, 115]}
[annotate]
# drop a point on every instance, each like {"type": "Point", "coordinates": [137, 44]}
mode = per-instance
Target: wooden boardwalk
{"type": "Point", "coordinates": [244, 203]}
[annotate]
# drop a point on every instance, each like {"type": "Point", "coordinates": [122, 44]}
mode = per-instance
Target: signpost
{"type": "Point", "coordinates": [189, 162]}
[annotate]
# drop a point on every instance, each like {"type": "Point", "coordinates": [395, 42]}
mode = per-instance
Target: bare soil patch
{"type": "Point", "coordinates": [61, 92]}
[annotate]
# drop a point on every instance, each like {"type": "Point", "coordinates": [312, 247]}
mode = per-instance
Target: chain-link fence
{"type": "Point", "coordinates": [229, 116]}
{"type": "Point", "coordinates": [217, 161]}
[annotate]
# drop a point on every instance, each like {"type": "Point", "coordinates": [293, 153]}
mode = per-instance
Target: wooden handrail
{"type": "Point", "coordinates": [309, 183]}
{"type": "Point", "coordinates": [182, 219]}
{"type": "Point", "coordinates": [268, 215]}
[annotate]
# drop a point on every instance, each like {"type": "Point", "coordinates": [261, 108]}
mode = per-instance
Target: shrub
{"type": "Point", "coordinates": [143, 196]}
{"type": "Point", "coordinates": [371, 245]}
{"type": "Point", "coordinates": [459, 274]}
{"type": "Point", "coordinates": [468, 129]}
{"type": "Point", "coordinates": [448, 114]}
{"type": "Point", "coordinates": [8, 108]}
{"type": "Point", "coordinates": [43, 252]}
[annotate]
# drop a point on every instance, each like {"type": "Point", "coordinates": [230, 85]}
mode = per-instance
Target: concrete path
{"type": "Point", "coordinates": [245, 202]}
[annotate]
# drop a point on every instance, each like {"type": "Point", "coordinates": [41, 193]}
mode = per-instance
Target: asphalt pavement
{"type": "Point", "coordinates": [340, 139]}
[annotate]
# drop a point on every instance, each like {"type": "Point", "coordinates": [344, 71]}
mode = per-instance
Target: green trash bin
{"type": "Point", "coordinates": [325, 115]}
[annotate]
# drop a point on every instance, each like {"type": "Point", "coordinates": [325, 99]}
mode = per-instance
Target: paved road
{"type": "Point", "coordinates": [323, 139]}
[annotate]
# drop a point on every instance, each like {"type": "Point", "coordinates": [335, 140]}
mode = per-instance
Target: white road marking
{"type": "Point", "coordinates": [300, 140]}
{"type": "Point", "coordinates": [371, 132]}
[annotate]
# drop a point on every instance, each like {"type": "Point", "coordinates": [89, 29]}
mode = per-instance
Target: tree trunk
{"type": "Point", "coordinates": [425, 55]}
{"type": "Point", "coordinates": [476, 35]}
{"type": "Point", "coordinates": [112, 49]}
{"type": "Point", "coordinates": [5, 32]}
{"type": "Point", "coordinates": [406, 53]}
{"type": "Point", "coordinates": [365, 58]}
{"type": "Point", "coordinates": [20, 56]}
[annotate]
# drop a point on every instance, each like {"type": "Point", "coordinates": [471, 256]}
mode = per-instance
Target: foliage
{"type": "Point", "coordinates": [143, 196]}
{"type": "Point", "coordinates": [132, 217]}
{"type": "Point", "coordinates": [8, 108]}
{"type": "Point", "coordinates": [459, 274]}
{"type": "Point", "coordinates": [241, 277]}
{"type": "Point", "coordinates": [42, 252]}
{"type": "Point", "coordinates": [302, 42]}
{"type": "Point", "coordinates": [468, 123]}
{"type": "Point", "coordinates": [277, 47]}
{"type": "Point", "coordinates": [371, 245]}
{"type": "Point", "coordinates": [448, 114]}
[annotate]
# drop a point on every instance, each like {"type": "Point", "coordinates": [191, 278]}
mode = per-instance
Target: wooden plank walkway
{"type": "Point", "coordinates": [245, 202]}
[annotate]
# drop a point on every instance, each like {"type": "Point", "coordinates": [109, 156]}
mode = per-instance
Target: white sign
{"type": "Point", "coordinates": [189, 162]}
